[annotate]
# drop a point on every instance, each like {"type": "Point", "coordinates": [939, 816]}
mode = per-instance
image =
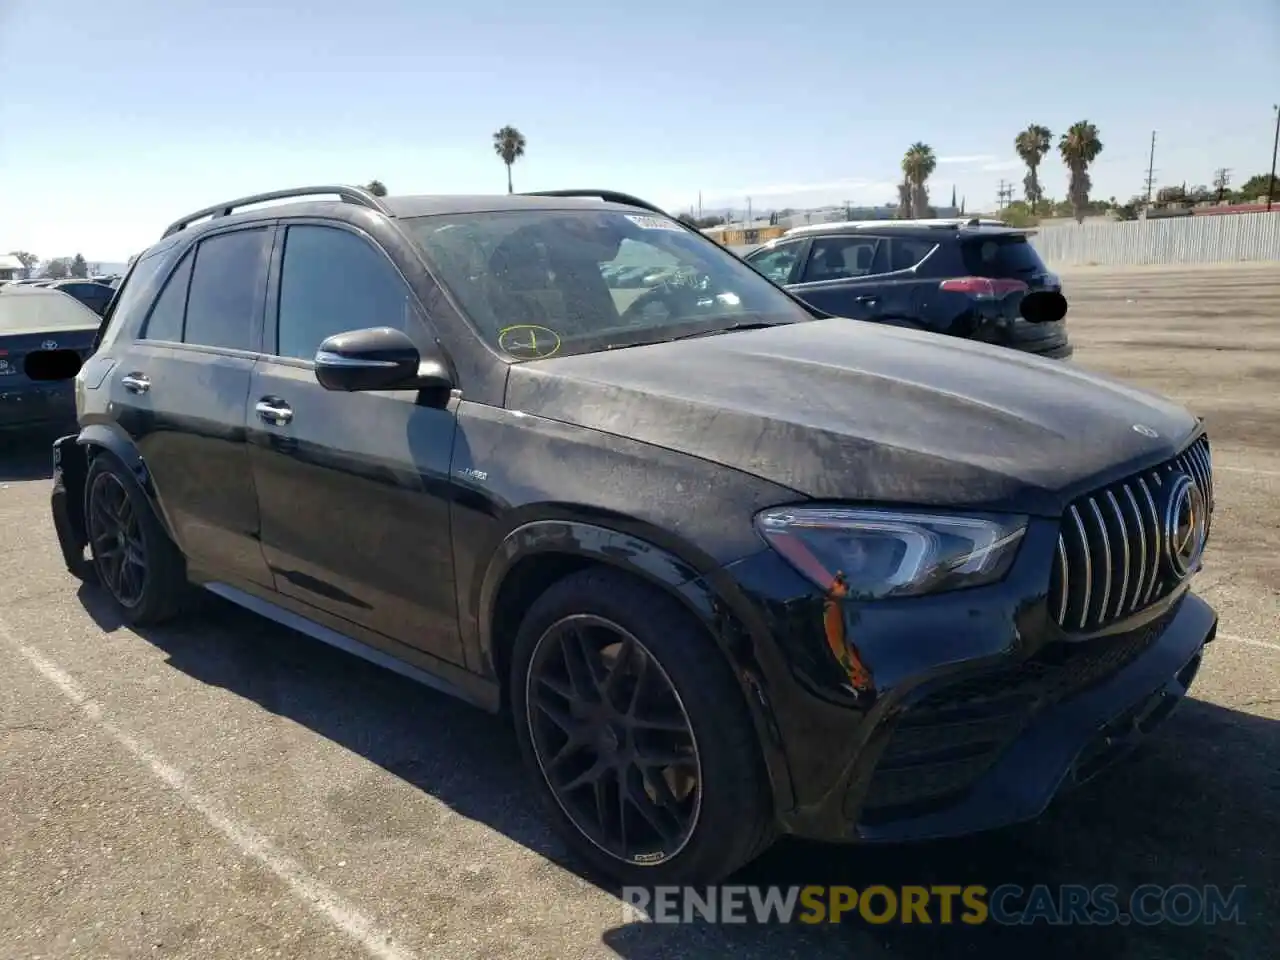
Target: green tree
{"type": "Point", "coordinates": [509, 144]}
{"type": "Point", "coordinates": [377, 188]}
{"type": "Point", "coordinates": [28, 261]}
{"type": "Point", "coordinates": [1252, 190]}
{"type": "Point", "coordinates": [1033, 145]}
{"type": "Point", "coordinates": [1018, 213]}
{"type": "Point", "coordinates": [78, 268]}
{"type": "Point", "coordinates": [1079, 147]}
{"type": "Point", "coordinates": [918, 164]}
{"type": "Point", "coordinates": [59, 268]}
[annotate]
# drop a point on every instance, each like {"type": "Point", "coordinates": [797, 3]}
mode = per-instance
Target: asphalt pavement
{"type": "Point", "coordinates": [224, 788]}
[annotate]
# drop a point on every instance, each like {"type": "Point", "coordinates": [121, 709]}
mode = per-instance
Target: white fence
{"type": "Point", "coordinates": [1203, 239]}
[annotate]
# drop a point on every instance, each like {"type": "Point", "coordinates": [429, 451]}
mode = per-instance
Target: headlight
{"type": "Point", "coordinates": [892, 553]}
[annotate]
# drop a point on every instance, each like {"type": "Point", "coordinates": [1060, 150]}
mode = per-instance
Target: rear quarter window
{"type": "Point", "coordinates": [1000, 256]}
{"type": "Point", "coordinates": [133, 295]}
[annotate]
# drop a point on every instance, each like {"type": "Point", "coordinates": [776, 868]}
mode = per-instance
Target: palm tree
{"type": "Point", "coordinates": [509, 144]}
{"type": "Point", "coordinates": [918, 163]}
{"type": "Point", "coordinates": [1032, 145]}
{"type": "Point", "coordinates": [1079, 147]}
{"type": "Point", "coordinates": [377, 188]}
{"type": "Point", "coordinates": [904, 200]}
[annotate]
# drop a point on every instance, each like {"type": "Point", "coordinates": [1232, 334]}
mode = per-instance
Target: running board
{"type": "Point", "coordinates": [316, 631]}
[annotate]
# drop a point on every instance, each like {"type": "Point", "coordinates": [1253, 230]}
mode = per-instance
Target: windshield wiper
{"type": "Point", "coordinates": [746, 325]}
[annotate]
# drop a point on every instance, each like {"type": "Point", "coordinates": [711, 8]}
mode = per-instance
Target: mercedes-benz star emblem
{"type": "Point", "coordinates": [1186, 519]}
{"type": "Point", "coordinates": [1146, 431]}
{"type": "Point", "coordinates": [49, 345]}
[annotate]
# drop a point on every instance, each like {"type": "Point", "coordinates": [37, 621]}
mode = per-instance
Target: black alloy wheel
{"type": "Point", "coordinates": [613, 740]}
{"type": "Point", "coordinates": [119, 547]}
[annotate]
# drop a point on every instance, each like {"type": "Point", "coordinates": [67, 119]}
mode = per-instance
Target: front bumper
{"type": "Point", "coordinates": [973, 712]}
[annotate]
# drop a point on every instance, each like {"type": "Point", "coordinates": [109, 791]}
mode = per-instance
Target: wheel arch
{"type": "Point", "coordinates": [539, 553]}
{"type": "Point", "coordinates": [98, 437]}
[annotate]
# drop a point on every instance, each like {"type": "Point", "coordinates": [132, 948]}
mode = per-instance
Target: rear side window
{"type": "Point", "coordinates": [1001, 256]}
{"type": "Point", "coordinates": [165, 322]}
{"type": "Point", "coordinates": [224, 297]}
{"type": "Point", "coordinates": [906, 252]}
{"type": "Point", "coordinates": [135, 291]}
{"type": "Point", "coordinates": [840, 258]}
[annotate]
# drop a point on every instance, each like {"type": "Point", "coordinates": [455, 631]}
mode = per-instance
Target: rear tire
{"type": "Point", "coordinates": [650, 769]}
{"type": "Point", "coordinates": [139, 567]}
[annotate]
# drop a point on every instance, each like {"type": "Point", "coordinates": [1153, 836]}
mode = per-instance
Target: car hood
{"type": "Point", "coordinates": [840, 409]}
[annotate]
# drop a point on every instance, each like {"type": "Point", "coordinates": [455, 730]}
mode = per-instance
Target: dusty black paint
{"type": "Point", "coordinates": [399, 517]}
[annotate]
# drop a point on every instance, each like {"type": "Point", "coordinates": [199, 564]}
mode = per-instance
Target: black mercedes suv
{"type": "Point", "coordinates": [736, 569]}
{"type": "Point", "coordinates": [973, 278]}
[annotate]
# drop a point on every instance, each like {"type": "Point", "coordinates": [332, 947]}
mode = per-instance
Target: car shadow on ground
{"type": "Point", "coordinates": [28, 454]}
{"type": "Point", "coordinates": [1198, 805]}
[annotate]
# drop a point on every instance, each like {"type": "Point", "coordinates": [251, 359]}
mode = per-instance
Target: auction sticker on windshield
{"type": "Point", "coordinates": [528, 341]}
{"type": "Point", "coordinates": [654, 223]}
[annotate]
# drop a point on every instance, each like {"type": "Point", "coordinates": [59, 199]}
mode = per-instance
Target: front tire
{"type": "Point", "coordinates": [138, 566]}
{"type": "Point", "coordinates": [636, 735]}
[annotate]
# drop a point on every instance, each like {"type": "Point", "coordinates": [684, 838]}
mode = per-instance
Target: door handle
{"type": "Point", "coordinates": [867, 298]}
{"type": "Point", "coordinates": [273, 411]}
{"type": "Point", "coordinates": [135, 382]}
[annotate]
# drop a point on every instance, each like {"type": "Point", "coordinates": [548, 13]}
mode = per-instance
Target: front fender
{"type": "Point", "coordinates": [669, 572]}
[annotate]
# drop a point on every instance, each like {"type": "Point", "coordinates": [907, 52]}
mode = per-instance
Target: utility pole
{"type": "Point", "coordinates": [1221, 180]}
{"type": "Point", "coordinates": [848, 210]}
{"type": "Point", "coordinates": [1004, 194]}
{"type": "Point", "coordinates": [748, 220]}
{"type": "Point", "coordinates": [1275, 144]}
{"type": "Point", "coordinates": [1151, 168]}
{"type": "Point", "coordinates": [699, 204]}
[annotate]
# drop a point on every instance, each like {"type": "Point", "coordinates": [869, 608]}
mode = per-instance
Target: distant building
{"type": "Point", "coordinates": [11, 268]}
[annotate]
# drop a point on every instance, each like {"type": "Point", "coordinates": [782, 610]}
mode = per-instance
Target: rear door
{"type": "Point", "coordinates": [840, 275]}
{"type": "Point", "coordinates": [354, 487]}
{"type": "Point", "coordinates": [180, 390]}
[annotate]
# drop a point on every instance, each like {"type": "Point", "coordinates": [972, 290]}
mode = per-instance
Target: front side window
{"type": "Point", "coordinates": [223, 301]}
{"type": "Point", "coordinates": [333, 281]}
{"type": "Point", "coordinates": [778, 263]}
{"type": "Point", "coordinates": [538, 283]}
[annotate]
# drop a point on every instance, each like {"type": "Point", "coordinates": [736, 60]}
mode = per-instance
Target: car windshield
{"type": "Point", "coordinates": [541, 283]}
{"type": "Point", "coordinates": [37, 311]}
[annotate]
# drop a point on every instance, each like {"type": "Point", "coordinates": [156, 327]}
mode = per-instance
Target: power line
{"type": "Point", "coordinates": [1004, 194]}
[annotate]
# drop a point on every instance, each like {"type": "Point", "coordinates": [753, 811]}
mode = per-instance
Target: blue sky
{"type": "Point", "coordinates": [117, 118]}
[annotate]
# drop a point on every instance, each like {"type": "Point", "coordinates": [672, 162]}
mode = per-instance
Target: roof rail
{"type": "Point", "coordinates": [355, 195]}
{"type": "Point", "coordinates": [608, 196]}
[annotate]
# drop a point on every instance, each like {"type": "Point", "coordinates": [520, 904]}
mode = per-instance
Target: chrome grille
{"type": "Point", "coordinates": [1110, 553]}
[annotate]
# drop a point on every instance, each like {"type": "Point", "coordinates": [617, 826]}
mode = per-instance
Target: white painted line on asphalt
{"type": "Point", "coordinates": [316, 895]}
{"type": "Point", "coordinates": [1254, 470]}
{"type": "Point", "coordinates": [1249, 640]}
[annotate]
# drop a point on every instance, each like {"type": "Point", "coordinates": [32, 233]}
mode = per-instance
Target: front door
{"type": "Point", "coordinates": [180, 391]}
{"type": "Point", "coordinates": [353, 487]}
